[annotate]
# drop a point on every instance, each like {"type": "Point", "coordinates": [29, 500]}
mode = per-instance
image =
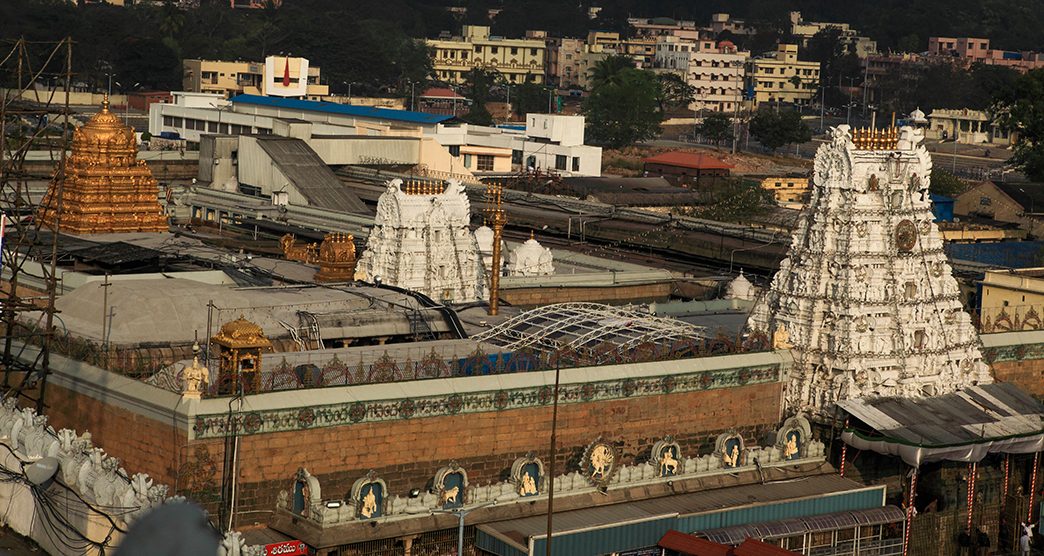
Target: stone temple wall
{"type": "Point", "coordinates": [406, 431]}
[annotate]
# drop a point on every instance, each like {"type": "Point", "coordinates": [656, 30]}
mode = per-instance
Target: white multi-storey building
{"type": "Point", "coordinates": [715, 71]}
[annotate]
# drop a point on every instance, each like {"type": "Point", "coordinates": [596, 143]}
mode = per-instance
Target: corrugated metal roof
{"type": "Point", "coordinates": [798, 526]}
{"type": "Point", "coordinates": [714, 500]}
{"type": "Point", "coordinates": [310, 175]}
{"type": "Point", "coordinates": [973, 415]}
{"type": "Point", "coordinates": [343, 109]}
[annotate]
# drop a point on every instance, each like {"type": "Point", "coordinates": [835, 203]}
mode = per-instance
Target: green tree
{"type": "Point", "coordinates": [607, 70]}
{"type": "Point", "coordinates": [775, 129]}
{"type": "Point", "coordinates": [624, 110]}
{"type": "Point", "coordinates": [1020, 109]}
{"type": "Point", "coordinates": [945, 183]}
{"type": "Point", "coordinates": [529, 98]}
{"type": "Point", "coordinates": [716, 128]}
{"type": "Point", "coordinates": [675, 93]}
{"type": "Point", "coordinates": [478, 86]}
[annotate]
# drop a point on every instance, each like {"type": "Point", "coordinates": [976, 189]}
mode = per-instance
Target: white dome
{"type": "Point", "coordinates": [917, 116]}
{"type": "Point", "coordinates": [741, 288]}
{"type": "Point", "coordinates": [531, 259]}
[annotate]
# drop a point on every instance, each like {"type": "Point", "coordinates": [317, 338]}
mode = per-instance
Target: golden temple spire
{"type": "Point", "coordinates": [105, 104]}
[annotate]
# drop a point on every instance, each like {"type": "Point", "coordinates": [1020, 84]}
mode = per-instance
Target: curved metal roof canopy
{"type": "Point", "coordinates": [587, 326]}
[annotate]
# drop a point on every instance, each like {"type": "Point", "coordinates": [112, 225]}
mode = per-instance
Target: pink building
{"type": "Point", "coordinates": [971, 50]}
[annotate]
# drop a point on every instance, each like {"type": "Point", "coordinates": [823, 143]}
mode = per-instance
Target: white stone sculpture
{"type": "Point", "coordinates": [421, 241]}
{"type": "Point", "coordinates": [194, 378]}
{"type": "Point", "coordinates": [531, 259]}
{"type": "Point", "coordinates": [865, 296]}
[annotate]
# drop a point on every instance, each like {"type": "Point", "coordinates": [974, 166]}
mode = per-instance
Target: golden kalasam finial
{"type": "Point", "coordinates": [105, 103]}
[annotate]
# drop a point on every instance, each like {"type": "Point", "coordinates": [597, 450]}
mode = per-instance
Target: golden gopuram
{"type": "Point", "coordinates": [107, 189]}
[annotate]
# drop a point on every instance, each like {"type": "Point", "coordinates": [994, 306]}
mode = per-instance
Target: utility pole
{"type": "Point", "coordinates": [105, 313]}
{"type": "Point", "coordinates": [551, 460]}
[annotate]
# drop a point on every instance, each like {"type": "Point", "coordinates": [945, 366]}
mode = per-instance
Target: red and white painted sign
{"type": "Point", "coordinates": [287, 548]}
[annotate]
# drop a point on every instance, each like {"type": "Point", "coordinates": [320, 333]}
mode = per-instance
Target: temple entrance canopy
{"type": "Point", "coordinates": [962, 426]}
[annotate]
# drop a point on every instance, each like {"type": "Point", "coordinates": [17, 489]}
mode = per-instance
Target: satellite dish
{"type": "Point", "coordinates": [42, 472]}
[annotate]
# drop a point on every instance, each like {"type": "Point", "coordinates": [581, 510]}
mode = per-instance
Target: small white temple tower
{"type": "Point", "coordinates": [865, 298]}
{"type": "Point", "coordinates": [421, 241]}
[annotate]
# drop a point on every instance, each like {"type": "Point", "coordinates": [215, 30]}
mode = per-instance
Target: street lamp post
{"type": "Point", "coordinates": [461, 513]}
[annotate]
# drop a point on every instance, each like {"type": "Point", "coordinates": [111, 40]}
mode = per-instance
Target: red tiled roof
{"type": "Point", "coordinates": [690, 545]}
{"type": "Point", "coordinates": [441, 92]}
{"type": "Point", "coordinates": [698, 161]}
{"type": "Point", "coordinates": [752, 547]}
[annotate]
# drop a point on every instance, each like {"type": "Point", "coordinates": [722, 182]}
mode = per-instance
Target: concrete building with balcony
{"type": "Point", "coordinates": [715, 71]}
{"type": "Point", "coordinates": [518, 60]}
{"type": "Point", "coordinates": [781, 77]}
{"type": "Point", "coordinates": [570, 60]}
{"type": "Point", "coordinates": [967, 126]}
{"type": "Point", "coordinates": [850, 38]}
{"type": "Point", "coordinates": [552, 143]}
{"type": "Point", "coordinates": [276, 76]}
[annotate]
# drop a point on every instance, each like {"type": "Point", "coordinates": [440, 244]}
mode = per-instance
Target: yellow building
{"type": "Point", "coordinates": [255, 78]}
{"type": "Point", "coordinates": [518, 60]}
{"type": "Point", "coordinates": [1012, 299]}
{"type": "Point", "coordinates": [790, 192]}
{"type": "Point", "coordinates": [781, 77]}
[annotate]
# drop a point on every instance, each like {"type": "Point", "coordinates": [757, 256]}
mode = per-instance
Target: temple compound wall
{"type": "Point", "coordinates": [405, 432]}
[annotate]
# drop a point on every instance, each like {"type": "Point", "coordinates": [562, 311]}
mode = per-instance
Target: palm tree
{"type": "Point", "coordinates": [173, 19]}
{"type": "Point", "coordinates": [607, 70]}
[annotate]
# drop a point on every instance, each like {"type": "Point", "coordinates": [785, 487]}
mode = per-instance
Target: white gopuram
{"type": "Point", "coordinates": [865, 297]}
{"type": "Point", "coordinates": [421, 241]}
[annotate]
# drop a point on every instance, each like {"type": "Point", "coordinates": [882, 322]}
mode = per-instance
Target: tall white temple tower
{"type": "Point", "coordinates": [865, 297]}
{"type": "Point", "coordinates": [421, 241]}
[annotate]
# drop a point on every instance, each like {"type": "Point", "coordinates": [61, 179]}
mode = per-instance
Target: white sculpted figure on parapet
{"type": "Point", "coordinates": [421, 241]}
{"type": "Point", "coordinates": [866, 296]}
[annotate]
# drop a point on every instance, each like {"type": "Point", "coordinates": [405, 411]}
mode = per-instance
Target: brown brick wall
{"type": "Point", "coordinates": [142, 445]}
{"type": "Point", "coordinates": [529, 297]}
{"type": "Point", "coordinates": [407, 453]}
{"type": "Point", "coordinates": [1027, 374]}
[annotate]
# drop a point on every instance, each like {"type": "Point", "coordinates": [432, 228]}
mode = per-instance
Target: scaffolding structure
{"type": "Point", "coordinates": [36, 79]}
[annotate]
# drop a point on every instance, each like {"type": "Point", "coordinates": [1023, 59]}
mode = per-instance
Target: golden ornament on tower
{"type": "Point", "coordinates": [107, 189]}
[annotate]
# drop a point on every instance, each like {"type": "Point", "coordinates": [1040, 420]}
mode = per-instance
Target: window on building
{"type": "Point", "coordinates": [560, 161]}
{"type": "Point", "coordinates": [494, 49]}
{"type": "Point", "coordinates": [463, 54]}
{"type": "Point", "coordinates": [467, 161]}
{"type": "Point", "coordinates": [514, 50]}
{"type": "Point", "coordinates": [532, 52]}
{"type": "Point", "coordinates": [454, 150]}
{"type": "Point", "coordinates": [212, 127]}
{"type": "Point", "coordinates": [485, 163]}
{"type": "Point", "coordinates": [478, 49]}
{"type": "Point", "coordinates": [168, 121]}
{"type": "Point", "coordinates": [516, 156]}
{"type": "Point", "coordinates": [576, 163]}
{"type": "Point", "coordinates": [179, 122]}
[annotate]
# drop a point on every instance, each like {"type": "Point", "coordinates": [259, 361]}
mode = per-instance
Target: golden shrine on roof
{"type": "Point", "coordinates": [241, 333]}
{"type": "Point", "coordinates": [107, 189]}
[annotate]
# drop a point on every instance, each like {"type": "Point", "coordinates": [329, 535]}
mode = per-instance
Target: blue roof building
{"type": "Point", "coordinates": [292, 107]}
